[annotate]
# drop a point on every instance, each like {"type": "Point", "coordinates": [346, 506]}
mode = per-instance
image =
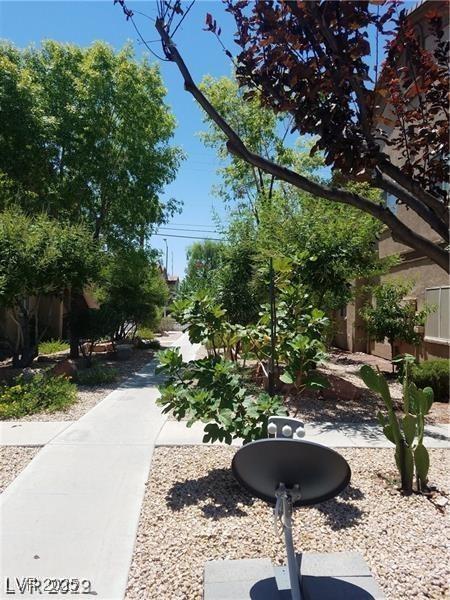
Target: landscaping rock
{"type": "Point", "coordinates": [104, 347]}
{"type": "Point", "coordinates": [342, 388]}
{"type": "Point", "coordinates": [65, 367]}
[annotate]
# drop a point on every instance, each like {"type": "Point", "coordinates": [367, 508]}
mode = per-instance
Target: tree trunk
{"type": "Point", "coordinates": [391, 342]}
{"type": "Point", "coordinates": [24, 355]}
{"type": "Point", "coordinates": [74, 338]}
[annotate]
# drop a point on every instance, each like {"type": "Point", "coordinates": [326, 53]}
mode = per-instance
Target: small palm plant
{"type": "Point", "coordinates": [405, 432]}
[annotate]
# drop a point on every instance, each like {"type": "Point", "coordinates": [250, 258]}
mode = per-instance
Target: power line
{"type": "Point", "coordinates": [189, 237]}
{"type": "Point", "coordinates": [190, 225]}
{"type": "Point", "coordinates": [186, 230]}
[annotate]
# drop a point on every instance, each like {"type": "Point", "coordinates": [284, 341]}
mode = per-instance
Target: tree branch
{"type": "Point", "coordinates": [414, 188]}
{"type": "Point", "coordinates": [236, 146]}
{"type": "Point", "coordinates": [390, 186]}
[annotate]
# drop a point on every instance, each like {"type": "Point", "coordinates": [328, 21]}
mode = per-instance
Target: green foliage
{"type": "Point", "coordinates": [203, 260]}
{"type": "Point", "coordinates": [333, 244]}
{"type": "Point", "coordinates": [145, 333]}
{"type": "Point", "coordinates": [41, 393]}
{"type": "Point", "coordinates": [85, 131]}
{"type": "Point", "coordinates": [405, 432]}
{"type": "Point", "coordinates": [236, 288]}
{"type": "Point", "coordinates": [40, 256]}
{"type": "Point", "coordinates": [299, 337]}
{"type": "Point", "coordinates": [97, 375]}
{"type": "Point", "coordinates": [93, 325]}
{"type": "Point", "coordinates": [211, 390]}
{"type": "Point", "coordinates": [131, 289]}
{"type": "Point", "coordinates": [52, 346]}
{"type": "Point", "coordinates": [207, 323]}
{"type": "Point", "coordinates": [434, 374]}
{"type": "Point", "coordinates": [392, 317]}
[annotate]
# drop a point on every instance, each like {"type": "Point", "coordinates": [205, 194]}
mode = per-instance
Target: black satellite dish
{"type": "Point", "coordinates": [319, 472]}
{"type": "Point", "coordinates": [290, 472]}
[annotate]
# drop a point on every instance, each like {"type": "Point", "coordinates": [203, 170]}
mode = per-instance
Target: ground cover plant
{"type": "Point", "coordinates": [41, 393]}
{"type": "Point", "coordinates": [97, 375]}
{"type": "Point", "coordinates": [52, 346]}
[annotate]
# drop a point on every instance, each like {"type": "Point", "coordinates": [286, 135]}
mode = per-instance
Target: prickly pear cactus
{"type": "Point", "coordinates": [406, 433]}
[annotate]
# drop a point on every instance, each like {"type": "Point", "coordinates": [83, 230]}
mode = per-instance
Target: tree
{"type": "Point", "coordinates": [40, 257]}
{"type": "Point", "coordinates": [89, 135]}
{"type": "Point", "coordinates": [392, 316]}
{"type": "Point", "coordinates": [203, 260]}
{"type": "Point", "coordinates": [131, 290]}
{"type": "Point", "coordinates": [332, 244]}
{"type": "Point", "coordinates": [86, 134]}
{"type": "Point", "coordinates": [287, 45]}
{"type": "Point", "coordinates": [238, 289]}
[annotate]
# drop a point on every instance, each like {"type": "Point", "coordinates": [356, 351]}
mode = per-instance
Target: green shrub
{"type": "Point", "coordinates": [97, 375]}
{"type": "Point", "coordinates": [52, 346]}
{"type": "Point", "coordinates": [145, 333]}
{"type": "Point", "coordinates": [41, 393]}
{"type": "Point", "coordinates": [434, 374]}
{"type": "Point", "coordinates": [211, 390]}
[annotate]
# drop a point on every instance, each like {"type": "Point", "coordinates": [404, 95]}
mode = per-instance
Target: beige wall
{"type": "Point", "coordinates": [350, 332]}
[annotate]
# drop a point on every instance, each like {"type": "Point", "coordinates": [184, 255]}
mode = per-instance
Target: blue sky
{"type": "Point", "coordinates": [82, 22]}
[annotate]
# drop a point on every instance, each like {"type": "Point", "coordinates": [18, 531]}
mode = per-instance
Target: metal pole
{"type": "Point", "coordinates": [272, 329]}
{"type": "Point", "coordinates": [167, 257]}
{"type": "Point", "coordinates": [294, 575]}
{"type": "Point", "coordinates": [167, 274]}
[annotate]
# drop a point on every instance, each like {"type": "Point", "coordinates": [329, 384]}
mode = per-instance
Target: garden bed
{"type": "Point", "coordinates": [194, 511]}
{"type": "Point", "coordinates": [353, 402]}
{"type": "Point", "coordinates": [13, 460]}
{"type": "Point", "coordinates": [89, 396]}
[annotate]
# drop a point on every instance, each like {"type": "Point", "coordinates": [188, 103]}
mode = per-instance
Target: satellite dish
{"type": "Point", "coordinates": [290, 472]}
{"type": "Point", "coordinates": [319, 472]}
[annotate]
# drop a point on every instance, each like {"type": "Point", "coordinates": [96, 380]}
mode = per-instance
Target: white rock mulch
{"type": "Point", "coordinates": [194, 511]}
{"type": "Point", "coordinates": [13, 459]}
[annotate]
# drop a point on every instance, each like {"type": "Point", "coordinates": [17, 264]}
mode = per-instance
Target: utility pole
{"type": "Point", "coordinates": [167, 256]}
{"type": "Point", "coordinates": [167, 274]}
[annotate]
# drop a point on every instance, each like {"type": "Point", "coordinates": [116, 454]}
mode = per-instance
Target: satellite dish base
{"type": "Point", "coordinates": [330, 576]}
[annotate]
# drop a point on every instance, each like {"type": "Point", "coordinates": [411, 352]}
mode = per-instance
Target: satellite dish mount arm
{"type": "Point", "coordinates": [283, 512]}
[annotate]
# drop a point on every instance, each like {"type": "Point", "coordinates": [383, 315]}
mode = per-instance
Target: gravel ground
{"type": "Point", "coordinates": [89, 396]}
{"type": "Point", "coordinates": [13, 459]}
{"type": "Point", "coordinates": [194, 511]}
{"type": "Point", "coordinates": [364, 406]}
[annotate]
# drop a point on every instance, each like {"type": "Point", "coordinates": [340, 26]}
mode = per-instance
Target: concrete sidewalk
{"type": "Point", "coordinates": [334, 435]}
{"type": "Point", "coordinates": [30, 433]}
{"type": "Point", "coordinates": [73, 512]}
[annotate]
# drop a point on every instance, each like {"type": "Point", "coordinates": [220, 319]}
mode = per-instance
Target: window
{"type": "Point", "coordinates": [437, 326]}
{"type": "Point", "coordinates": [343, 312]}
